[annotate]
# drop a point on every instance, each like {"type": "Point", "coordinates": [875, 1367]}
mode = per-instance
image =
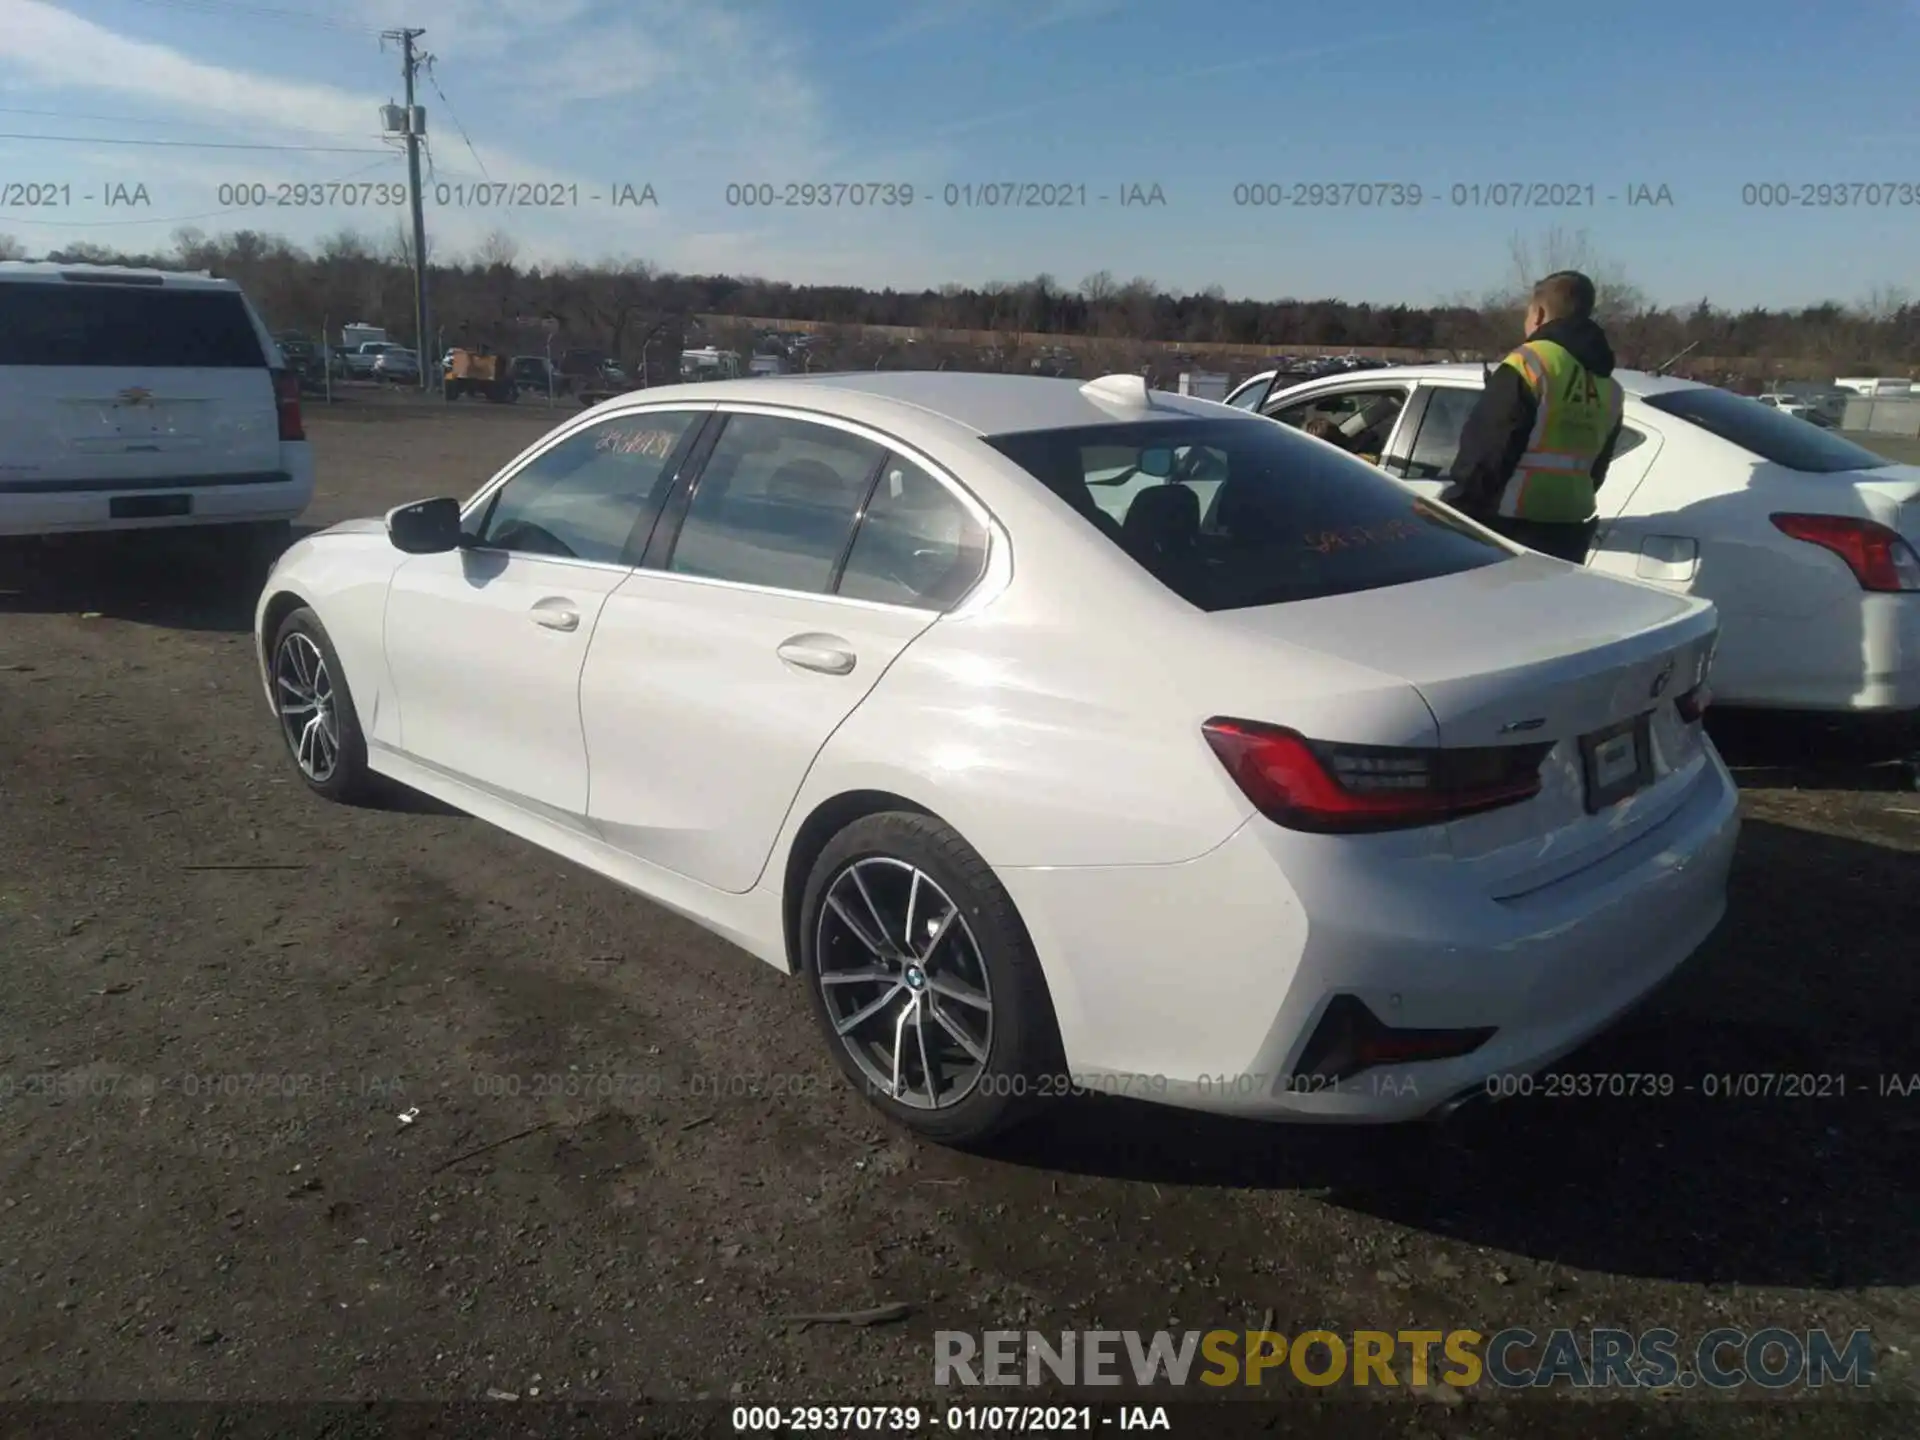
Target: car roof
{"type": "Point", "coordinates": [1638, 383]}
{"type": "Point", "coordinates": [51, 272]}
{"type": "Point", "coordinates": [980, 403]}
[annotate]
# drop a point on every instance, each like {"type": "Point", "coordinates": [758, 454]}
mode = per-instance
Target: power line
{"type": "Point", "coordinates": [460, 129]}
{"type": "Point", "coordinates": [258, 12]}
{"type": "Point", "coordinates": [148, 121]}
{"type": "Point", "coordinates": [196, 144]}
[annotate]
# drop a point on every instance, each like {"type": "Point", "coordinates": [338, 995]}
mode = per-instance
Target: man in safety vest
{"type": "Point", "coordinates": [1537, 445]}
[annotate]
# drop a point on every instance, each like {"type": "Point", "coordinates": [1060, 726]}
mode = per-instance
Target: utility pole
{"type": "Point", "coordinates": [410, 61]}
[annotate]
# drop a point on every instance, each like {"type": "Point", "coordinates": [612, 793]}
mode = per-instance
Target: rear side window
{"type": "Point", "coordinates": [776, 504]}
{"type": "Point", "coordinates": [134, 327]}
{"type": "Point", "coordinates": [1230, 513]}
{"type": "Point", "coordinates": [1784, 439]}
{"type": "Point", "coordinates": [916, 545]}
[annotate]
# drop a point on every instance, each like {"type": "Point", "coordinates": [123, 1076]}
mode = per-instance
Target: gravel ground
{"type": "Point", "coordinates": [220, 996]}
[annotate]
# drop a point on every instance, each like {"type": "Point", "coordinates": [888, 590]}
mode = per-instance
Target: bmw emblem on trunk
{"type": "Point", "coordinates": [1661, 681]}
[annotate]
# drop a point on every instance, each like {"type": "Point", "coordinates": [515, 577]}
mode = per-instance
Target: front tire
{"type": "Point", "coordinates": [315, 710]}
{"type": "Point", "coordinates": [924, 980]}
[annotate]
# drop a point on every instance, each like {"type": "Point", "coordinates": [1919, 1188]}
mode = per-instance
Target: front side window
{"type": "Point", "coordinates": [1236, 514]}
{"type": "Point", "coordinates": [593, 496]}
{"type": "Point", "coordinates": [917, 544]}
{"type": "Point", "coordinates": [776, 504]}
{"type": "Point", "coordinates": [1358, 421]}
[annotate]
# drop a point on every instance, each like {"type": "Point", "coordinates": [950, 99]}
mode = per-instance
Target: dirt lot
{"type": "Point", "coordinates": [219, 995]}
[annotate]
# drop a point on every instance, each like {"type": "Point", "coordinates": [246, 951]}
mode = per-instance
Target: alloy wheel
{"type": "Point", "coordinates": [303, 689]}
{"type": "Point", "coordinates": [903, 983]}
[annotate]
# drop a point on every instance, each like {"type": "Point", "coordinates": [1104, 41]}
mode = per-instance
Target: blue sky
{"type": "Point", "coordinates": [690, 96]}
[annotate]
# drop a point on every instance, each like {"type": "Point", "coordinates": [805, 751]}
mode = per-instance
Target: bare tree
{"type": "Point", "coordinates": [497, 251]}
{"type": "Point", "coordinates": [1618, 298]}
{"type": "Point", "coordinates": [11, 249]}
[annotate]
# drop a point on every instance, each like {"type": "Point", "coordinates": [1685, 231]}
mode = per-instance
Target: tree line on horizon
{"type": "Point", "coordinates": [627, 305]}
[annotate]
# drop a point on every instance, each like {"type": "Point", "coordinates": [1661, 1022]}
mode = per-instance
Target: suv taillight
{"type": "Point", "coordinates": [1880, 558]}
{"type": "Point", "coordinates": [286, 395]}
{"type": "Point", "coordinates": [1351, 789]}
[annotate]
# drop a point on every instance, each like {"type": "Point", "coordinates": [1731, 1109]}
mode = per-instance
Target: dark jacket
{"type": "Point", "coordinates": [1495, 435]}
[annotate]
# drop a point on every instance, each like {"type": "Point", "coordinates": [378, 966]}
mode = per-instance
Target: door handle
{"type": "Point", "coordinates": [828, 654]}
{"type": "Point", "coordinates": [556, 612]}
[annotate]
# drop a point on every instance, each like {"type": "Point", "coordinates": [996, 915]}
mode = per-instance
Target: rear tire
{"type": "Point", "coordinates": [318, 723]}
{"type": "Point", "coordinates": [919, 970]}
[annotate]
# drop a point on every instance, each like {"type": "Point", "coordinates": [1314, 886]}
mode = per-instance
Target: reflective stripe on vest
{"type": "Point", "coordinates": [1574, 412]}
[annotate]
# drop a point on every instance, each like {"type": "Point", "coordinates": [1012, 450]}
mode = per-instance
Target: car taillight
{"type": "Point", "coordinates": [1693, 704]}
{"type": "Point", "coordinates": [1350, 789]}
{"type": "Point", "coordinates": [286, 395]}
{"type": "Point", "coordinates": [1880, 558]}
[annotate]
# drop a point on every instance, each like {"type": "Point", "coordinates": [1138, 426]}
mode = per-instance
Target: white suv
{"type": "Point", "coordinates": [140, 399]}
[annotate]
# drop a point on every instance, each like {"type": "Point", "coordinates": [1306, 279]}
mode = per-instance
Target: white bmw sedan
{"type": "Point", "coordinates": [1806, 543]}
{"type": "Point", "coordinates": [1056, 735]}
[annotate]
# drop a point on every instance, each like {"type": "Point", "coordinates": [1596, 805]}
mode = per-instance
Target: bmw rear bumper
{"type": "Point", "coordinates": [1200, 984]}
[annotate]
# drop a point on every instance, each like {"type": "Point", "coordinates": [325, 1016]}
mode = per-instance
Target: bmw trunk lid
{"type": "Point", "coordinates": [1535, 652]}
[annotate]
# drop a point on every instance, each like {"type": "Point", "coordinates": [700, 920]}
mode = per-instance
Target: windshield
{"type": "Point", "coordinates": [1764, 431]}
{"type": "Point", "coordinates": [1230, 513]}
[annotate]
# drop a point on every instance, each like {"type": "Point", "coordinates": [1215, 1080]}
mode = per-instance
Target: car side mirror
{"type": "Point", "coordinates": [426, 527]}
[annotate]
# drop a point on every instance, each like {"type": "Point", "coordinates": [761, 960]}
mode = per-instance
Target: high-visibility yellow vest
{"type": "Point", "coordinates": [1575, 412]}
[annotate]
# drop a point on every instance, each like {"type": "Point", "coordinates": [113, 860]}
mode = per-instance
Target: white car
{"type": "Point", "coordinates": [142, 399]}
{"type": "Point", "coordinates": [361, 361]}
{"type": "Point", "coordinates": [1808, 544]}
{"type": "Point", "coordinates": [1282, 793]}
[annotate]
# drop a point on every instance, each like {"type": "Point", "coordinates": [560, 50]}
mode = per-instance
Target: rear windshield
{"type": "Point", "coordinates": [44, 323]}
{"type": "Point", "coordinates": [1784, 439]}
{"type": "Point", "coordinates": [1236, 513]}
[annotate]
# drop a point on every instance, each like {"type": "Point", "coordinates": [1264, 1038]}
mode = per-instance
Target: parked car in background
{"type": "Point", "coordinates": [535, 373]}
{"type": "Point", "coordinates": [359, 362]}
{"type": "Point", "coordinates": [145, 400]}
{"type": "Point", "coordinates": [306, 360]}
{"type": "Point", "coordinates": [1797, 406]}
{"type": "Point", "coordinates": [397, 366]}
{"type": "Point", "coordinates": [761, 650]}
{"type": "Point", "coordinates": [1808, 544]}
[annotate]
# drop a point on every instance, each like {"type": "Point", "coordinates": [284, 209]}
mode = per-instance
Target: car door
{"type": "Point", "coordinates": [803, 557]}
{"type": "Point", "coordinates": [485, 643]}
{"type": "Point", "coordinates": [1642, 534]}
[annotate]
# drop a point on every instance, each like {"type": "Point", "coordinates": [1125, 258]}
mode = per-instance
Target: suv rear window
{"type": "Point", "coordinates": [136, 327]}
{"type": "Point", "coordinates": [1784, 439]}
{"type": "Point", "coordinates": [1241, 513]}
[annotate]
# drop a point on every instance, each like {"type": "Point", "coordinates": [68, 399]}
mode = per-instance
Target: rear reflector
{"type": "Point", "coordinates": [1326, 788]}
{"type": "Point", "coordinates": [286, 395]}
{"type": "Point", "coordinates": [1880, 558]}
{"type": "Point", "coordinates": [1350, 1038]}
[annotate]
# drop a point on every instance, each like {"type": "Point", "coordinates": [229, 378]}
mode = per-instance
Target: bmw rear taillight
{"type": "Point", "coordinates": [1880, 558]}
{"type": "Point", "coordinates": [1330, 788]}
{"type": "Point", "coordinates": [286, 398]}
